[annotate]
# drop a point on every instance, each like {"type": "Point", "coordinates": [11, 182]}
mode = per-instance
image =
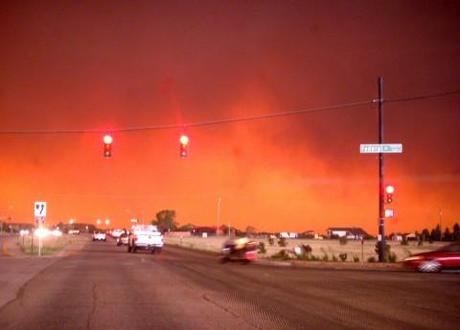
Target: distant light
{"type": "Point", "coordinates": [390, 189]}
{"type": "Point", "coordinates": [184, 140]}
{"type": "Point", "coordinates": [108, 139]}
{"type": "Point", "coordinates": [42, 232]}
{"type": "Point", "coordinates": [24, 232]}
{"type": "Point", "coordinates": [57, 233]}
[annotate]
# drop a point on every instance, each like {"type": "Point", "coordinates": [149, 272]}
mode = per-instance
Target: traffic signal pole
{"type": "Point", "coordinates": [381, 235]}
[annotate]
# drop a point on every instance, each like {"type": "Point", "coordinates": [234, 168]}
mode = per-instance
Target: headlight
{"type": "Point", "coordinates": [414, 258]}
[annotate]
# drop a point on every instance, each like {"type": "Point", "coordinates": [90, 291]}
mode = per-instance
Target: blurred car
{"type": "Point", "coordinates": [447, 257]}
{"type": "Point", "coordinates": [99, 236]}
{"type": "Point", "coordinates": [73, 232]}
{"type": "Point", "coordinates": [117, 232]}
{"type": "Point", "coordinates": [123, 239]}
{"type": "Point", "coordinates": [241, 249]}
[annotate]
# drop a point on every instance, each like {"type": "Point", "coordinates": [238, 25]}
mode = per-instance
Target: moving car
{"type": "Point", "coordinates": [99, 236]}
{"type": "Point", "coordinates": [447, 257]}
{"type": "Point", "coordinates": [241, 249]}
{"type": "Point", "coordinates": [123, 239]}
{"type": "Point", "coordinates": [117, 232]}
{"type": "Point", "coordinates": [73, 232]}
{"type": "Point", "coordinates": [145, 238]}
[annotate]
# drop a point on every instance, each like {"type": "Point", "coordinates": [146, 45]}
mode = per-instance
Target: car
{"type": "Point", "coordinates": [117, 232]}
{"type": "Point", "coordinates": [99, 236]}
{"type": "Point", "coordinates": [145, 238]}
{"type": "Point", "coordinates": [447, 257]}
{"type": "Point", "coordinates": [73, 232]}
{"type": "Point", "coordinates": [123, 239]}
{"type": "Point", "coordinates": [240, 249]}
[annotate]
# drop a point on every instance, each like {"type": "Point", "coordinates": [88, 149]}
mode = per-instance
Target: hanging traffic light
{"type": "Point", "coordinates": [183, 140]}
{"type": "Point", "coordinates": [107, 145]}
{"type": "Point", "coordinates": [389, 190]}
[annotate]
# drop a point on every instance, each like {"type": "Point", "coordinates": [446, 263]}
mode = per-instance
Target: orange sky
{"type": "Point", "coordinates": [114, 64]}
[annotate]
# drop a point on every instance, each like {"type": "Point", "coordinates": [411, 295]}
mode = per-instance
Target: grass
{"type": "Point", "coordinates": [50, 245]}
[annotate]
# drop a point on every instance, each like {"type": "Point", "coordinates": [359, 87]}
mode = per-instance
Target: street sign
{"type": "Point", "coordinates": [391, 148]}
{"type": "Point", "coordinates": [40, 209]}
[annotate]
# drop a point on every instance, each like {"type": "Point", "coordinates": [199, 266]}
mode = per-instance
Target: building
{"type": "Point", "coordinates": [348, 232]}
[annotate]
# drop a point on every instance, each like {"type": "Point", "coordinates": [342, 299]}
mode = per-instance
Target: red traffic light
{"type": "Point", "coordinates": [107, 145]}
{"type": "Point", "coordinates": [107, 139]}
{"type": "Point", "coordinates": [389, 189]}
{"type": "Point", "coordinates": [184, 140]}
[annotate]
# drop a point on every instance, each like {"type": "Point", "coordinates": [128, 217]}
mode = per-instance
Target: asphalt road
{"type": "Point", "coordinates": [102, 286]}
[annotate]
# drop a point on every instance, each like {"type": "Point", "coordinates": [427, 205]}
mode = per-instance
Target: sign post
{"type": "Point", "coordinates": [40, 215]}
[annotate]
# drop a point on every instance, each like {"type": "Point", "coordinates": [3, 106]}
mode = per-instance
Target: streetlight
{"type": "Point", "coordinates": [107, 222]}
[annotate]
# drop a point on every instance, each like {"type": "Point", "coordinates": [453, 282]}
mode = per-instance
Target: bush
{"type": "Point", "coordinates": [343, 257]}
{"type": "Point", "coordinates": [271, 240]}
{"type": "Point", "coordinates": [325, 257]}
{"type": "Point", "coordinates": [355, 259]}
{"type": "Point", "coordinates": [420, 242]}
{"type": "Point", "coordinates": [282, 242]}
{"type": "Point", "coordinates": [392, 257]}
{"type": "Point", "coordinates": [387, 254]}
{"type": "Point", "coordinates": [343, 240]}
{"type": "Point", "coordinates": [281, 255]}
{"type": "Point", "coordinates": [261, 248]}
{"type": "Point", "coordinates": [371, 259]}
{"type": "Point", "coordinates": [404, 241]}
{"type": "Point", "coordinates": [334, 258]}
{"type": "Point", "coordinates": [307, 248]}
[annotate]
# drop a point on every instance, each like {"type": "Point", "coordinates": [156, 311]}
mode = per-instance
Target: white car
{"type": "Point", "coordinates": [123, 239]}
{"type": "Point", "coordinates": [145, 238]}
{"type": "Point", "coordinates": [99, 236]}
{"type": "Point", "coordinates": [117, 232]}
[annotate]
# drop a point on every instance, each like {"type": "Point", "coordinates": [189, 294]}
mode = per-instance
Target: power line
{"type": "Point", "coordinates": [342, 106]}
{"type": "Point", "coordinates": [422, 97]}
{"type": "Point", "coordinates": [193, 124]}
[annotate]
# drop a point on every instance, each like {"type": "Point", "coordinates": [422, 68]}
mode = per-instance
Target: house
{"type": "Point", "coordinates": [348, 232]}
{"type": "Point", "coordinates": [285, 234]}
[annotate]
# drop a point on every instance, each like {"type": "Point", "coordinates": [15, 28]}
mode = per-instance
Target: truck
{"type": "Point", "coordinates": [145, 238]}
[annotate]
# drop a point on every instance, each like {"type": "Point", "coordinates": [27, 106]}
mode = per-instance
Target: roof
{"type": "Point", "coordinates": [352, 230]}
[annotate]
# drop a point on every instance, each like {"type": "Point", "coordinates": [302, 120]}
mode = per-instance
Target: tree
{"type": "Point", "coordinates": [425, 234]}
{"type": "Point", "coordinates": [165, 220]}
{"type": "Point", "coordinates": [250, 230]}
{"type": "Point", "coordinates": [456, 232]}
{"type": "Point", "coordinates": [187, 227]}
{"type": "Point", "coordinates": [447, 236]}
{"type": "Point", "coordinates": [436, 234]}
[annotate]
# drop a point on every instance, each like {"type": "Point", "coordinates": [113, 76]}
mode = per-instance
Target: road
{"type": "Point", "coordinates": [102, 286]}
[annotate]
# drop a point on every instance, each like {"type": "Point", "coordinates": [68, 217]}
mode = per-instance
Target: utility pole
{"type": "Point", "coordinates": [381, 236]}
{"type": "Point", "coordinates": [219, 201]}
{"type": "Point", "coordinates": [440, 224]}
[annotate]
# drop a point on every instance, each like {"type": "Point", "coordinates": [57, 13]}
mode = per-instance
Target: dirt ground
{"type": "Point", "coordinates": [319, 247]}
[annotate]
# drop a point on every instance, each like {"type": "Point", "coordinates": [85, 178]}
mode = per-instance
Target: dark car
{"type": "Point", "coordinates": [447, 257]}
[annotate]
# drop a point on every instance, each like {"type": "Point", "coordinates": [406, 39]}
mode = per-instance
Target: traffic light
{"type": "Point", "coordinates": [389, 190]}
{"type": "Point", "coordinates": [183, 140]}
{"type": "Point", "coordinates": [107, 145]}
